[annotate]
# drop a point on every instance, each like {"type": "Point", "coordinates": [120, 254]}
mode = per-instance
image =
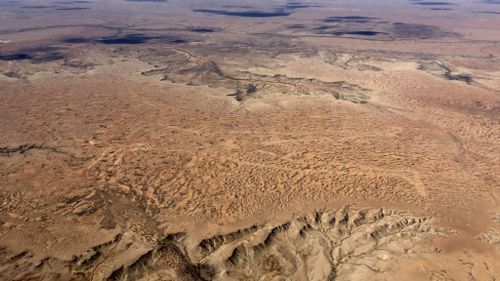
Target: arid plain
{"type": "Point", "coordinates": [249, 140]}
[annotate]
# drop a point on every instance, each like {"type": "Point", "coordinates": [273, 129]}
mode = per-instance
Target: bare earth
{"type": "Point", "coordinates": [184, 140]}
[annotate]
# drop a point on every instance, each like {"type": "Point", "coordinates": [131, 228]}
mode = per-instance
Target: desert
{"type": "Point", "coordinates": [249, 140]}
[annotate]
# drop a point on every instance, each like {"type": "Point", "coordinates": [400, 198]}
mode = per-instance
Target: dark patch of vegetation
{"type": "Point", "coordinates": [173, 39]}
{"type": "Point", "coordinates": [358, 19]}
{"type": "Point", "coordinates": [15, 56]}
{"type": "Point", "coordinates": [442, 70]}
{"type": "Point", "coordinates": [47, 57]}
{"type": "Point", "coordinates": [38, 7]}
{"type": "Point", "coordinates": [19, 149]}
{"type": "Point", "coordinates": [324, 27]}
{"type": "Point", "coordinates": [131, 39]}
{"type": "Point", "coordinates": [156, 1]}
{"type": "Point", "coordinates": [432, 3]}
{"type": "Point", "coordinates": [72, 2]}
{"type": "Point", "coordinates": [251, 88]}
{"type": "Point", "coordinates": [421, 31]}
{"type": "Point", "coordinates": [10, 3]}
{"type": "Point", "coordinates": [246, 14]}
{"type": "Point", "coordinates": [12, 74]}
{"type": "Point", "coordinates": [238, 95]}
{"type": "Point", "coordinates": [35, 55]}
{"type": "Point", "coordinates": [360, 32]}
{"type": "Point", "coordinates": [236, 6]}
{"type": "Point", "coordinates": [72, 8]}
{"type": "Point", "coordinates": [202, 29]}
{"type": "Point", "coordinates": [299, 5]}
{"type": "Point", "coordinates": [296, 26]}
{"type": "Point", "coordinates": [459, 77]}
{"type": "Point", "coordinates": [440, 9]}
{"type": "Point", "coordinates": [488, 12]}
{"type": "Point", "coordinates": [77, 40]}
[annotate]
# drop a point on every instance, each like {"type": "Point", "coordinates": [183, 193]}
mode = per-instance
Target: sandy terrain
{"type": "Point", "coordinates": [250, 141]}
